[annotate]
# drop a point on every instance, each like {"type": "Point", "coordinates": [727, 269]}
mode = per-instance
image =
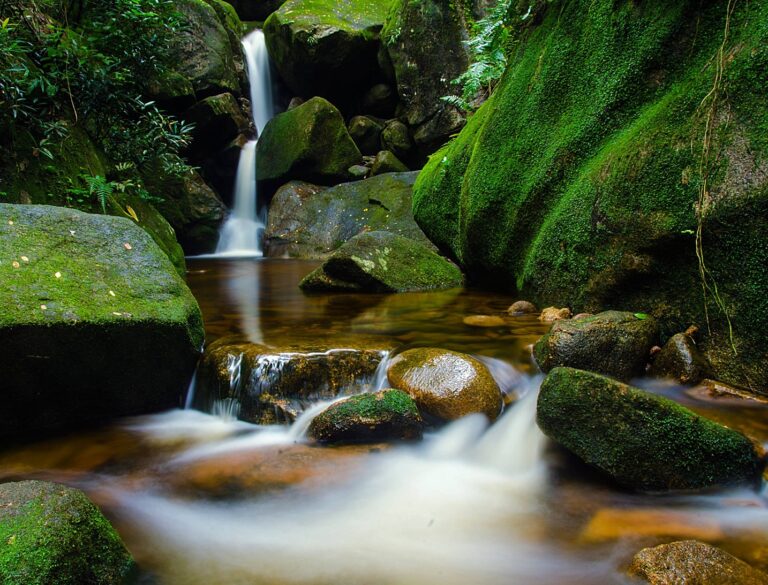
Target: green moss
{"type": "Point", "coordinates": [372, 406]}
{"type": "Point", "coordinates": [648, 442]}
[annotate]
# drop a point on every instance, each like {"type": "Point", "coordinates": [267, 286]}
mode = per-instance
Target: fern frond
{"type": "Point", "coordinates": [100, 188]}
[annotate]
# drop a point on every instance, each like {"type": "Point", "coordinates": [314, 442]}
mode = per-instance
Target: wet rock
{"type": "Point", "coordinates": [388, 415]}
{"type": "Point", "coordinates": [358, 171]}
{"type": "Point", "coordinates": [326, 48]}
{"type": "Point", "coordinates": [522, 308]}
{"type": "Point", "coordinates": [379, 101]}
{"type": "Point", "coordinates": [50, 533]}
{"type": "Point", "coordinates": [613, 343]}
{"type": "Point", "coordinates": [310, 143]}
{"type": "Point", "coordinates": [484, 321]}
{"type": "Point", "coordinates": [294, 103]}
{"type": "Point", "coordinates": [366, 133]}
{"type": "Point", "coordinates": [273, 383]}
{"type": "Point", "coordinates": [446, 385]}
{"type": "Point", "coordinates": [681, 360]}
{"type": "Point", "coordinates": [96, 324]}
{"type": "Point", "coordinates": [217, 119]}
{"type": "Point", "coordinates": [611, 524]}
{"type": "Point", "coordinates": [396, 139]}
{"type": "Point", "coordinates": [644, 441]}
{"type": "Point", "coordinates": [307, 221]}
{"type": "Point", "coordinates": [383, 262]}
{"type": "Point", "coordinates": [386, 162]}
{"type": "Point", "coordinates": [693, 563]}
{"type": "Point", "coordinates": [554, 314]}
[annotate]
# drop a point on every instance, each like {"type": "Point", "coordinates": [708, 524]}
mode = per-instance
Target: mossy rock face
{"type": "Point", "coordinates": [681, 360]}
{"type": "Point", "coordinates": [612, 343]}
{"type": "Point", "coordinates": [446, 385]}
{"type": "Point", "coordinates": [50, 533]}
{"type": "Point", "coordinates": [218, 120]}
{"type": "Point", "coordinates": [425, 43]}
{"type": "Point", "coordinates": [276, 383]}
{"type": "Point", "coordinates": [309, 142]}
{"type": "Point", "coordinates": [690, 561]}
{"type": "Point", "coordinates": [383, 262]}
{"type": "Point", "coordinates": [386, 162]}
{"type": "Point", "coordinates": [644, 441]}
{"type": "Point", "coordinates": [307, 221]}
{"type": "Point", "coordinates": [255, 10]}
{"type": "Point", "coordinates": [326, 47]}
{"type": "Point", "coordinates": [388, 415]}
{"type": "Point", "coordinates": [577, 185]}
{"type": "Point", "coordinates": [96, 322]}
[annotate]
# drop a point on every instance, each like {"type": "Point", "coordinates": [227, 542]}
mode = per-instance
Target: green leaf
{"type": "Point", "coordinates": [641, 316]}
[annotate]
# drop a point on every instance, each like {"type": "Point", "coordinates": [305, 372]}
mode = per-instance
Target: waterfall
{"type": "Point", "coordinates": [241, 232]}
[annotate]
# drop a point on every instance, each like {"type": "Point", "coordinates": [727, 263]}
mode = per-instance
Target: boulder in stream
{"type": "Point", "coordinates": [612, 343]}
{"type": "Point", "coordinates": [644, 441]}
{"type": "Point", "coordinates": [50, 533]}
{"type": "Point", "coordinates": [96, 322]}
{"type": "Point", "coordinates": [388, 415]}
{"type": "Point", "coordinates": [445, 384]}
{"type": "Point", "coordinates": [383, 262]}
{"type": "Point", "coordinates": [691, 562]}
{"type": "Point", "coordinates": [681, 360]}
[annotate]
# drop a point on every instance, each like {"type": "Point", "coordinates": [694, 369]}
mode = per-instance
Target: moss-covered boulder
{"type": "Point", "coordinates": [309, 142]}
{"type": "Point", "coordinates": [692, 562]}
{"type": "Point", "coordinates": [273, 384]}
{"type": "Point", "coordinates": [217, 120]}
{"type": "Point", "coordinates": [386, 162]}
{"type": "Point", "coordinates": [383, 262]}
{"type": "Point", "coordinates": [425, 43]}
{"type": "Point", "coordinates": [388, 415]}
{"type": "Point", "coordinates": [578, 183]}
{"type": "Point", "coordinates": [642, 440]}
{"type": "Point", "coordinates": [307, 221]}
{"type": "Point", "coordinates": [366, 132]}
{"type": "Point", "coordinates": [50, 533]}
{"type": "Point", "coordinates": [326, 47]}
{"type": "Point", "coordinates": [446, 385]}
{"type": "Point", "coordinates": [96, 323]}
{"type": "Point", "coordinates": [613, 343]}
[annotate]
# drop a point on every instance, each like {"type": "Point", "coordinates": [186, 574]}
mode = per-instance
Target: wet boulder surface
{"type": "Point", "coordinates": [50, 533]}
{"type": "Point", "coordinates": [680, 359]}
{"type": "Point", "coordinates": [96, 322]}
{"type": "Point", "coordinates": [643, 441]}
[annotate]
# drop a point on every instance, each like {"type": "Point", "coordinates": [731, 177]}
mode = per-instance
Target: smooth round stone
{"type": "Point", "coordinates": [522, 308]}
{"type": "Point", "coordinates": [484, 321]}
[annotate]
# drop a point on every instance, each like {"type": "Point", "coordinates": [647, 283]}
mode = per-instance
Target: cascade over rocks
{"type": "Point", "coordinates": [693, 562]}
{"type": "Point", "coordinates": [644, 441]}
{"type": "Point", "coordinates": [96, 323]}
{"type": "Point", "coordinates": [612, 343]}
{"type": "Point", "coordinates": [578, 183]}
{"type": "Point", "coordinates": [309, 142]}
{"type": "Point", "coordinates": [383, 262]}
{"type": "Point", "coordinates": [325, 47]}
{"type": "Point", "coordinates": [307, 221]}
{"type": "Point", "coordinates": [388, 415]}
{"type": "Point", "coordinates": [50, 533]}
{"type": "Point", "coordinates": [446, 385]}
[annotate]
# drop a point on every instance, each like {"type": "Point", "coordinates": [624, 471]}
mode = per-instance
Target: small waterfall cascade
{"type": "Point", "coordinates": [240, 235]}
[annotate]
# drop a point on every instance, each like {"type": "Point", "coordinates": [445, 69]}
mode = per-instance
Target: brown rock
{"type": "Point", "coordinates": [555, 314]}
{"type": "Point", "coordinates": [484, 321]}
{"type": "Point", "coordinates": [681, 360]}
{"type": "Point", "coordinates": [522, 308]}
{"type": "Point", "coordinates": [445, 384]}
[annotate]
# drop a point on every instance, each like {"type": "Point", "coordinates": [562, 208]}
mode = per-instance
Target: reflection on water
{"type": "Point", "coordinates": [203, 499]}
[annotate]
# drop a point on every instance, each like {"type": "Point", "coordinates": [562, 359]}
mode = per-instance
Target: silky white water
{"type": "Point", "coordinates": [241, 233]}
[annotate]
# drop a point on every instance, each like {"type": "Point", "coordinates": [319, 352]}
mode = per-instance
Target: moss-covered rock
{"type": "Point", "coordinates": [255, 10]}
{"type": "Point", "coordinates": [309, 142]}
{"type": "Point", "coordinates": [217, 120]}
{"type": "Point", "coordinates": [366, 132]}
{"type": "Point", "coordinates": [642, 440]}
{"type": "Point", "coordinates": [446, 385]}
{"type": "Point", "coordinates": [383, 262]}
{"type": "Point", "coordinates": [307, 221]}
{"type": "Point", "coordinates": [326, 47]}
{"type": "Point", "coordinates": [388, 415]}
{"type": "Point", "coordinates": [578, 182]}
{"type": "Point", "coordinates": [692, 562]}
{"type": "Point", "coordinates": [681, 360]}
{"type": "Point", "coordinates": [386, 162]}
{"type": "Point", "coordinates": [50, 533]}
{"type": "Point", "coordinates": [96, 322]}
{"type": "Point", "coordinates": [613, 343]}
{"type": "Point", "coordinates": [425, 43]}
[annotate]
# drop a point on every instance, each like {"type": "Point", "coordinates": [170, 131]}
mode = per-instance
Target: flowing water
{"type": "Point", "coordinates": [241, 233]}
{"type": "Point", "coordinates": [202, 499]}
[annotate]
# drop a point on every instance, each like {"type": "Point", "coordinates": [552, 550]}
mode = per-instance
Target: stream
{"type": "Point", "coordinates": [206, 499]}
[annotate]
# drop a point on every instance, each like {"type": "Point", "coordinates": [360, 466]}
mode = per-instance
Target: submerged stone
{"type": "Point", "coordinates": [612, 343]}
{"type": "Point", "coordinates": [96, 323]}
{"type": "Point", "coordinates": [693, 563]}
{"type": "Point", "coordinates": [50, 533]}
{"type": "Point", "coordinates": [642, 440]}
{"type": "Point", "coordinates": [383, 262]}
{"type": "Point", "coordinates": [388, 415]}
{"type": "Point", "coordinates": [446, 385]}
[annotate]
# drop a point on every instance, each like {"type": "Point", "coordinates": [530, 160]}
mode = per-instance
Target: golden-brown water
{"type": "Point", "coordinates": [201, 500]}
